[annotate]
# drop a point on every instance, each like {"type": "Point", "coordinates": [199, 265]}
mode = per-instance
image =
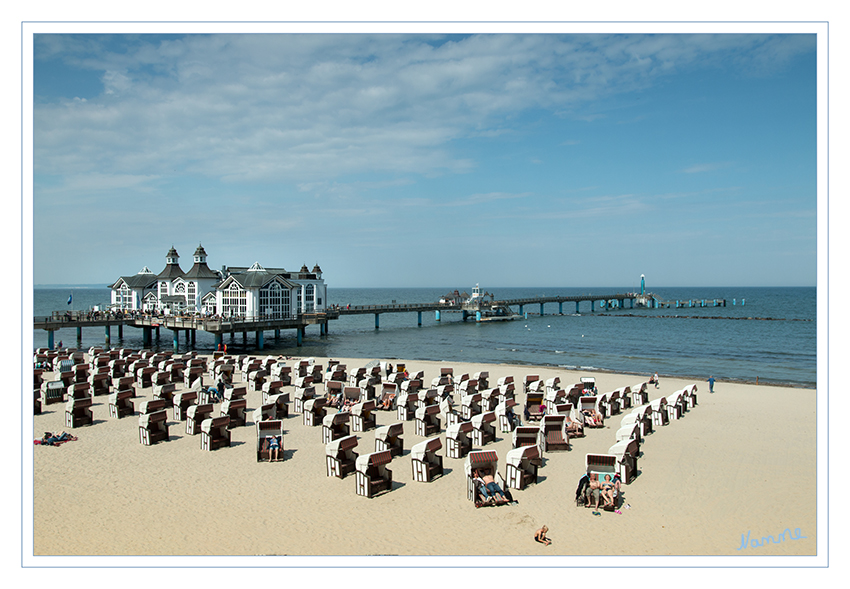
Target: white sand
{"type": "Point", "coordinates": [742, 461]}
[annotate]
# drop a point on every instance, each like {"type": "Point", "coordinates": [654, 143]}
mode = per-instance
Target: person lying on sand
{"type": "Point", "coordinates": [493, 488]}
{"type": "Point", "coordinates": [48, 439]}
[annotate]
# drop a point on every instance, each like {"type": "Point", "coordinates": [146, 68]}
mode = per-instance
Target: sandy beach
{"type": "Point", "coordinates": [734, 465]}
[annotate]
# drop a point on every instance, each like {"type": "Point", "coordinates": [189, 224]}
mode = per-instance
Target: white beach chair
{"type": "Point", "coordinates": [340, 456]}
{"type": "Point", "coordinates": [427, 421]}
{"type": "Point", "coordinates": [363, 416]}
{"type": "Point", "coordinates": [425, 461]}
{"type": "Point", "coordinates": [335, 426]}
{"type": "Point", "coordinates": [215, 433]}
{"type": "Point", "coordinates": [388, 437]}
{"type": "Point", "coordinates": [195, 416]}
{"type": "Point", "coordinates": [458, 439]}
{"type": "Point", "coordinates": [314, 411]}
{"type": "Point", "coordinates": [483, 428]}
{"type": "Point", "coordinates": [372, 475]}
{"type": "Point", "coordinates": [153, 427]}
{"type": "Point", "coordinates": [521, 466]}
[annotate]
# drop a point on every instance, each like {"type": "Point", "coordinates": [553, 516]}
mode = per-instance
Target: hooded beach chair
{"type": "Point", "coordinates": [484, 428]}
{"type": "Point", "coordinates": [302, 395]}
{"type": "Point", "coordinates": [624, 396]}
{"type": "Point", "coordinates": [406, 405]}
{"type": "Point", "coordinates": [534, 406]}
{"type": "Point", "coordinates": [553, 433]}
{"type": "Point", "coordinates": [660, 415]}
{"type": "Point", "coordinates": [366, 387]}
{"type": "Point", "coordinates": [467, 387]}
{"type": "Point", "coordinates": [626, 452]}
{"type": "Point", "coordinates": [553, 398]}
{"type": "Point", "coordinates": [193, 377]}
{"type": "Point", "coordinates": [490, 398]}
{"type": "Point", "coordinates": [691, 395]}
{"type": "Point", "coordinates": [427, 421]}
{"type": "Point", "coordinates": [470, 405]}
{"type": "Point", "coordinates": [282, 372]}
{"type": "Point", "coordinates": [340, 456]}
{"type": "Point", "coordinates": [164, 392]}
{"type": "Point", "coordinates": [521, 466]}
{"type": "Point", "coordinates": [680, 402]}
{"type": "Point", "coordinates": [483, 379]}
{"type": "Point", "coordinates": [232, 393]}
{"type": "Point", "coordinates": [629, 429]}
{"type": "Point", "coordinates": [414, 385]}
{"type": "Point", "coordinates": [195, 416]}
{"type": "Point", "coordinates": [234, 409]}
{"type": "Point", "coordinates": [553, 384]}
{"type": "Point", "coordinates": [79, 390]}
{"type": "Point", "coordinates": [459, 439]}
{"type": "Point", "coordinates": [526, 435]}
{"type": "Point", "coordinates": [363, 416]}
{"type": "Point", "coordinates": [215, 433]}
{"type": "Point", "coordinates": [182, 401]}
{"type": "Point", "coordinates": [314, 411]}
{"type": "Point", "coordinates": [447, 409]}
{"type": "Point", "coordinates": [266, 429]}
{"type": "Point", "coordinates": [388, 437]}
{"type": "Point", "coordinates": [52, 392]}
{"type": "Point", "coordinates": [121, 404]}
{"type": "Point", "coordinates": [271, 388]}
{"type": "Point", "coordinates": [597, 466]}
{"type": "Point", "coordinates": [78, 412]}
{"type": "Point", "coordinates": [481, 460]}
{"type": "Point", "coordinates": [529, 380]}
{"type": "Point", "coordinates": [372, 473]}
{"type": "Point", "coordinates": [639, 393]}
{"type": "Point", "coordinates": [335, 426]}
{"type": "Point", "coordinates": [153, 427]}
{"type": "Point", "coordinates": [355, 376]}
{"type": "Point", "coordinates": [101, 384]}
{"type": "Point", "coordinates": [281, 405]}
{"type": "Point", "coordinates": [506, 416]}
{"type": "Point", "coordinates": [431, 397]}
{"type": "Point", "coordinates": [425, 461]}
{"type": "Point", "coordinates": [264, 412]}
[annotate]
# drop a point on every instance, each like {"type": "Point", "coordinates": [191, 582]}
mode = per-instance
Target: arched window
{"type": "Point", "coordinates": [310, 298]}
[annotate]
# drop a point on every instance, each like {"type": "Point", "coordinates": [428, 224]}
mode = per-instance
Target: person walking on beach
{"type": "Point", "coordinates": [710, 384]}
{"type": "Point", "coordinates": [655, 380]}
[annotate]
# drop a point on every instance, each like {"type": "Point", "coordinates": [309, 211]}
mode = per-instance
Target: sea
{"type": "Point", "coordinates": [769, 334]}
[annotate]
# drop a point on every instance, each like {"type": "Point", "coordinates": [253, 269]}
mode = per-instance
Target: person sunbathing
{"type": "Point", "coordinates": [592, 418]}
{"type": "Point", "coordinates": [574, 427]}
{"type": "Point", "coordinates": [493, 488]}
{"type": "Point", "coordinates": [274, 448]}
{"type": "Point", "coordinates": [48, 439]}
{"type": "Point", "coordinates": [607, 491]}
{"type": "Point", "coordinates": [387, 401]}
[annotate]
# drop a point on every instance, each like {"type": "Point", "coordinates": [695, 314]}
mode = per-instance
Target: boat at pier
{"type": "Point", "coordinates": [484, 307]}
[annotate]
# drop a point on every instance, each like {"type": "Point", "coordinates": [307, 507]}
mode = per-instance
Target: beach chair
{"type": "Point", "coordinates": [460, 378]}
{"type": "Point", "coordinates": [363, 416]}
{"type": "Point", "coordinates": [529, 379]}
{"type": "Point", "coordinates": [366, 387]}
{"type": "Point", "coordinates": [490, 398]}
{"type": "Point", "coordinates": [192, 375]}
{"type": "Point", "coordinates": [79, 390]}
{"type": "Point", "coordinates": [470, 405]}
{"type": "Point", "coordinates": [234, 409]}
{"type": "Point", "coordinates": [177, 370]}
{"type": "Point", "coordinates": [414, 385]}
{"type": "Point", "coordinates": [81, 373]}
{"type": "Point", "coordinates": [505, 414]}
{"type": "Point", "coordinates": [482, 378]}
{"type": "Point", "coordinates": [355, 376]}
{"type": "Point", "coordinates": [406, 405]}
{"type": "Point", "coordinates": [553, 433]}
{"type": "Point", "coordinates": [271, 388]}
{"type": "Point", "coordinates": [591, 404]}
{"type": "Point", "coordinates": [126, 383]}
{"type": "Point", "coordinates": [640, 394]}
{"type": "Point", "coordinates": [521, 466]}
{"type": "Point", "coordinates": [424, 460]}
{"type": "Point", "coordinates": [589, 383]}
{"type": "Point", "coordinates": [643, 416]}
{"type": "Point", "coordinates": [388, 437]}
{"type": "Point", "coordinates": [267, 429]}
{"type": "Point", "coordinates": [427, 421]}
{"type": "Point", "coordinates": [481, 460]}
{"type": "Point", "coordinates": [333, 389]}
{"type": "Point", "coordinates": [447, 409]}
{"type": "Point", "coordinates": [388, 398]}
{"type": "Point", "coordinates": [431, 397]}
{"type": "Point", "coordinates": [691, 395]}
{"type": "Point", "coordinates": [300, 396]}
{"type": "Point", "coordinates": [78, 412]}
{"type": "Point", "coordinates": [340, 456]}
{"type": "Point", "coordinates": [152, 406]}
{"type": "Point", "coordinates": [483, 428]}
{"type": "Point", "coordinates": [257, 378]}
{"type": "Point", "coordinates": [677, 405]}
{"type": "Point", "coordinates": [553, 398]}
{"type": "Point", "coordinates": [264, 412]}
{"type": "Point", "coordinates": [181, 402]}
{"type": "Point", "coordinates": [144, 377]}
{"type": "Point", "coordinates": [597, 467]}
{"type": "Point", "coordinates": [281, 405]}
{"type": "Point", "coordinates": [335, 426]}
{"type": "Point", "coordinates": [282, 372]}
{"type": "Point", "coordinates": [52, 392]}
{"type": "Point", "coordinates": [660, 415]}
{"type": "Point", "coordinates": [224, 373]}
{"type": "Point", "coordinates": [372, 474]}
{"type": "Point", "coordinates": [121, 404]}
{"type": "Point", "coordinates": [101, 384]}
{"type": "Point", "coordinates": [527, 435]}
{"type": "Point", "coordinates": [505, 381]}
{"type": "Point", "coordinates": [459, 439]}
{"type": "Point", "coordinates": [215, 433]}
{"type": "Point", "coordinates": [351, 395]}
{"type": "Point", "coordinates": [195, 416]}
{"type": "Point", "coordinates": [629, 432]}
{"type": "Point", "coordinates": [153, 427]}
{"type": "Point", "coordinates": [534, 406]}
{"type": "Point", "coordinates": [466, 387]}
{"type": "Point", "coordinates": [507, 391]}
{"type": "Point", "coordinates": [116, 367]}
{"type": "Point", "coordinates": [164, 392]}
{"type": "Point", "coordinates": [626, 452]}
{"type": "Point", "coordinates": [624, 396]}
{"type": "Point", "coordinates": [553, 384]}
{"type": "Point", "coordinates": [314, 411]}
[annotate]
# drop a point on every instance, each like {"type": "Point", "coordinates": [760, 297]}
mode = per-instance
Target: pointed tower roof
{"type": "Point", "coordinates": [172, 267]}
{"type": "Point", "coordinates": [200, 268]}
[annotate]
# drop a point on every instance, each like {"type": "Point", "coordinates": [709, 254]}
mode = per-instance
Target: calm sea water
{"type": "Point", "coordinates": [778, 345]}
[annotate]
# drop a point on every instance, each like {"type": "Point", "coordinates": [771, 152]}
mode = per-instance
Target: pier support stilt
{"type": "Point", "coordinates": [188, 335]}
{"type": "Point", "coordinates": [437, 315]}
{"type": "Point", "coordinates": [541, 309]}
{"type": "Point", "coordinates": [259, 339]}
{"type": "Point", "coordinates": [157, 333]}
{"type": "Point", "coordinates": [176, 339]}
{"type": "Point", "coordinates": [79, 334]}
{"type": "Point", "coordinates": [520, 310]}
{"type": "Point", "coordinates": [592, 310]}
{"type": "Point", "coordinates": [560, 308]}
{"type": "Point", "coordinates": [217, 341]}
{"type": "Point", "coordinates": [194, 332]}
{"type": "Point", "coordinates": [244, 338]}
{"type": "Point", "coordinates": [377, 323]}
{"type": "Point", "coordinates": [146, 336]}
{"type": "Point", "coordinates": [120, 331]}
{"type": "Point", "coordinates": [50, 340]}
{"type": "Point", "coordinates": [478, 316]}
{"type": "Point", "coordinates": [277, 333]}
{"type": "Point", "coordinates": [577, 308]}
{"type": "Point", "coordinates": [299, 336]}
{"type": "Point", "coordinates": [420, 318]}
{"type": "Point", "coordinates": [463, 315]}
{"type": "Point", "coordinates": [106, 329]}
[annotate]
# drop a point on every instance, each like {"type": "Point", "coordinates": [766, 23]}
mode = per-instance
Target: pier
{"type": "Point", "coordinates": [189, 325]}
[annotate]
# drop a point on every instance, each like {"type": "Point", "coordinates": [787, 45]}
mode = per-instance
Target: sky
{"type": "Point", "coordinates": [429, 160]}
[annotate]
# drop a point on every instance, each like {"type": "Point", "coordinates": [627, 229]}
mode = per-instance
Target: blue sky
{"type": "Point", "coordinates": [430, 160]}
